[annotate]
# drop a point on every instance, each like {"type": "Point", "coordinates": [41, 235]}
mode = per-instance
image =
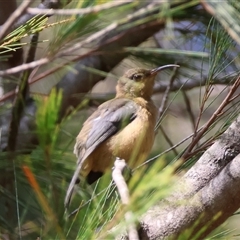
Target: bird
{"type": "Point", "coordinates": [122, 127]}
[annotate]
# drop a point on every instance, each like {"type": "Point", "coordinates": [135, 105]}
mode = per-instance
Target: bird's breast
{"type": "Point", "coordinates": [134, 142]}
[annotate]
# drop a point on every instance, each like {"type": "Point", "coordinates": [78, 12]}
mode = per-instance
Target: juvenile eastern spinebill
{"type": "Point", "coordinates": [122, 127]}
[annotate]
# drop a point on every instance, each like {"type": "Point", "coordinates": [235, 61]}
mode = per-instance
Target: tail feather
{"type": "Point", "coordinates": [71, 185]}
{"type": "Point", "coordinates": [93, 176]}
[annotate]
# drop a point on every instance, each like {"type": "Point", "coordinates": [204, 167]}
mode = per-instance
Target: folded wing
{"type": "Point", "coordinates": [106, 121]}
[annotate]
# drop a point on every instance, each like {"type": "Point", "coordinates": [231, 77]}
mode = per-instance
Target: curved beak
{"type": "Point", "coordinates": [156, 70]}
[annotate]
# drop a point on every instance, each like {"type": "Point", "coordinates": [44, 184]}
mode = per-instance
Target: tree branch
{"type": "Point", "coordinates": [202, 195]}
{"type": "Point", "coordinates": [87, 10]}
{"type": "Point", "coordinates": [197, 216]}
{"type": "Point", "coordinates": [117, 175]}
{"type": "Point", "coordinates": [215, 115]}
{"type": "Point", "coordinates": [162, 108]}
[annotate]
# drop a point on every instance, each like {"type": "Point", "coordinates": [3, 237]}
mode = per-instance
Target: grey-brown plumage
{"type": "Point", "coordinates": [122, 127]}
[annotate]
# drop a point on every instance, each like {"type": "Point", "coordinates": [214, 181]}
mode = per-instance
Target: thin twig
{"type": "Point", "coordinates": [195, 82]}
{"type": "Point", "coordinates": [201, 149]}
{"type": "Point", "coordinates": [165, 98]}
{"type": "Point", "coordinates": [92, 198]}
{"type": "Point", "coordinates": [169, 141]}
{"type": "Point", "coordinates": [82, 11]}
{"type": "Point", "coordinates": [8, 95]}
{"type": "Point", "coordinates": [166, 151]}
{"type": "Point", "coordinates": [210, 141]}
{"type": "Point", "coordinates": [25, 67]}
{"type": "Point", "coordinates": [206, 95]}
{"type": "Point", "coordinates": [189, 108]}
{"type": "Point", "coordinates": [213, 118]}
{"type": "Point", "coordinates": [14, 17]}
{"type": "Point", "coordinates": [119, 166]}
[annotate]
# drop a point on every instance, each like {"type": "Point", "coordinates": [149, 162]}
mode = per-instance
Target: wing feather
{"type": "Point", "coordinates": [111, 117]}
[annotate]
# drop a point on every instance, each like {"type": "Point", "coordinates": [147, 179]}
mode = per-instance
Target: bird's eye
{"type": "Point", "coordinates": [136, 77]}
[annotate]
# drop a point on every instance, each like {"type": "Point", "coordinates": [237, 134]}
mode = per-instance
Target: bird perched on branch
{"type": "Point", "coordinates": [122, 127]}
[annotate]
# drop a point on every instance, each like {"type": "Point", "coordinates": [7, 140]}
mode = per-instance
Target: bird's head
{"type": "Point", "coordinates": [138, 82]}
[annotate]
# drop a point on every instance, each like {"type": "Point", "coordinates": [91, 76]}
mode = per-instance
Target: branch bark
{"type": "Point", "coordinates": [117, 175]}
{"type": "Point", "coordinates": [205, 197]}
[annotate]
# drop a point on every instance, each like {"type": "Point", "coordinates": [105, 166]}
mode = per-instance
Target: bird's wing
{"type": "Point", "coordinates": [107, 120]}
{"type": "Point", "coordinates": [110, 118]}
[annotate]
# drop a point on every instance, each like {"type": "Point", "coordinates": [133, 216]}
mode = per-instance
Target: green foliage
{"type": "Point", "coordinates": [219, 46]}
{"type": "Point", "coordinates": [79, 26]}
{"type": "Point", "coordinates": [227, 14]}
{"type": "Point", "coordinates": [47, 117]}
{"type": "Point", "coordinates": [11, 41]}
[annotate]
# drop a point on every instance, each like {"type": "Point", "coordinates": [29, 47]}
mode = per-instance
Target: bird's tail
{"type": "Point", "coordinates": [70, 190]}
